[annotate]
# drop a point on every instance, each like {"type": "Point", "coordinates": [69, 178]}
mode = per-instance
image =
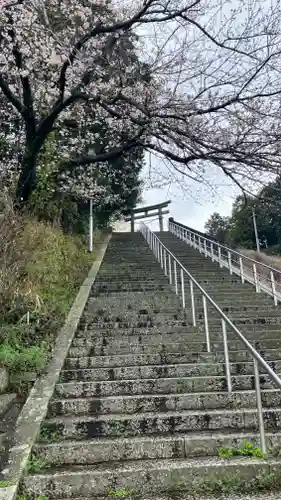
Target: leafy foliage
{"type": "Point", "coordinates": [217, 227]}
{"type": "Point", "coordinates": [45, 267]}
{"type": "Point", "coordinates": [238, 229]}
{"type": "Point", "coordinates": [245, 449]}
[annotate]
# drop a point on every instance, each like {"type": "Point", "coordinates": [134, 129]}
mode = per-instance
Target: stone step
{"type": "Point", "coordinates": [122, 279]}
{"type": "Point", "coordinates": [163, 358]}
{"type": "Point", "coordinates": [172, 316]}
{"type": "Point", "coordinates": [144, 448]}
{"type": "Point", "coordinates": [266, 495]}
{"type": "Point", "coordinates": [163, 370]}
{"type": "Point", "coordinates": [134, 286]}
{"type": "Point", "coordinates": [271, 398]}
{"type": "Point", "coordinates": [158, 386]}
{"type": "Point", "coordinates": [86, 330]}
{"type": "Point", "coordinates": [151, 476]}
{"type": "Point", "coordinates": [175, 307]}
{"type": "Point", "coordinates": [3, 438]}
{"type": "Point", "coordinates": [181, 333]}
{"type": "Point", "coordinates": [6, 401]}
{"type": "Point", "coordinates": [137, 324]}
{"type": "Point", "coordinates": [129, 425]}
{"type": "Point", "coordinates": [137, 301]}
{"type": "Point", "coordinates": [143, 346]}
{"type": "Point", "coordinates": [151, 296]}
{"type": "Point", "coordinates": [4, 380]}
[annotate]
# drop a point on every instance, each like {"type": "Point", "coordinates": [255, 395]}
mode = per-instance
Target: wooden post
{"type": "Point", "coordinates": [132, 222]}
{"type": "Point", "coordinates": [160, 215]}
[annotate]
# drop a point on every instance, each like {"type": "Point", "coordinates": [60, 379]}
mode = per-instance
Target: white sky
{"type": "Point", "coordinates": [191, 203]}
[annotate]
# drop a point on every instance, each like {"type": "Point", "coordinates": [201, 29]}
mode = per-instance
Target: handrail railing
{"type": "Point", "coordinates": [261, 275]}
{"type": "Point", "coordinates": [170, 265]}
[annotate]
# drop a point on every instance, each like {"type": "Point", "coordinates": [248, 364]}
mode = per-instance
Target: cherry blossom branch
{"type": "Point", "coordinates": [11, 96]}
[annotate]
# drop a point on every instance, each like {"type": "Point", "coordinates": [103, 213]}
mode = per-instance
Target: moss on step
{"type": "Point", "coordinates": [245, 449]}
{"type": "Point", "coordinates": [228, 484]}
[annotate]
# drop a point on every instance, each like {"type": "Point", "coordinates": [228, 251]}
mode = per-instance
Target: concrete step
{"type": "Point", "coordinates": [133, 286]}
{"type": "Point", "coordinates": [135, 317]}
{"type": "Point", "coordinates": [178, 446]}
{"type": "Point", "coordinates": [164, 306]}
{"type": "Point", "coordinates": [140, 477]}
{"type": "Point", "coordinates": [163, 370]}
{"type": "Point", "coordinates": [129, 425]}
{"type": "Point", "coordinates": [86, 330]}
{"type": "Point", "coordinates": [163, 358]}
{"type": "Point", "coordinates": [271, 398]}
{"type": "Point", "coordinates": [136, 359]}
{"type": "Point", "coordinates": [181, 495]}
{"type": "Point", "coordinates": [158, 386]}
{"type": "Point", "coordinates": [5, 402]}
{"type": "Point", "coordinates": [182, 333]}
{"type": "Point", "coordinates": [138, 321]}
{"type": "Point", "coordinates": [4, 380]}
{"type": "Point", "coordinates": [144, 345]}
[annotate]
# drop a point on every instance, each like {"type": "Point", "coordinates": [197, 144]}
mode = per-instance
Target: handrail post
{"type": "Point", "coordinates": [205, 248]}
{"type": "Point", "coordinates": [161, 257]}
{"type": "Point", "coordinates": [192, 303]}
{"type": "Point", "coordinates": [212, 251]}
{"type": "Point", "coordinates": [226, 357]}
{"type": "Point", "coordinates": [256, 278]}
{"type": "Point", "coordinates": [259, 406]}
{"type": "Point", "coordinates": [229, 261]}
{"type": "Point", "coordinates": [241, 270]}
{"type": "Point", "coordinates": [176, 278]}
{"type": "Point", "coordinates": [273, 288]}
{"type": "Point", "coordinates": [182, 290]}
{"type": "Point", "coordinates": [165, 262]}
{"type": "Point", "coordinates": [206, 324]}
{"type": "Point", "coordinates": [219, 253]}
{"type": "Point", "coordinates": [170, 269]}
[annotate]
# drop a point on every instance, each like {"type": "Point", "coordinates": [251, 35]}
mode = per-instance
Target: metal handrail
{"type": "Point", "coordinates": [227, 248]}
{"type": "Point", "coordinates": [163, 254]}
{"type": "Point", "coordinates": [237, 266]}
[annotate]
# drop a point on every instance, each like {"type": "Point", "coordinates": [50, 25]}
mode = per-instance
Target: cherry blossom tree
{"type": "Point", "coordinates": [204, 88]}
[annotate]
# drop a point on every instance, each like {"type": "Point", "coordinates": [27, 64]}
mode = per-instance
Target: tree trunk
{"type": "Point", "coordinates": [27, 179]}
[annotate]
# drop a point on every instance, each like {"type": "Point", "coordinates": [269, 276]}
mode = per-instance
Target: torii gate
{"type": "Point", "coordinates": [160, 212]}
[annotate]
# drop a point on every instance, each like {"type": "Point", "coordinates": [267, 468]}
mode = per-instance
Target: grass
{"type": "Point", "coordinates": [227, 485]}
{"type": "Point", "coordinates": [245, 449]}
{"type": "Point", "coordinates": [36, 464]}
{"type": "Point", "coordinates": [48, 436]}
{"type": "Point", "coordinates": [24, 497]}
{"type": "Point", "coordinates": [5, 484]}
{"type": "Point", "coordinates": [120, 493]}
{"type": "Point", "coordinates": [270, 260]}
{"type": "Point", "coordinates": [41, 269]}
{"type": "Point", "coordinates": [235, 484]}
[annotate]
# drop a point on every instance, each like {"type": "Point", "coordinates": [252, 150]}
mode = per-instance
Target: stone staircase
{"type": "Point", "coordinates": [141, 409]}
{"type": "Point", "coordinates": [9, 410]}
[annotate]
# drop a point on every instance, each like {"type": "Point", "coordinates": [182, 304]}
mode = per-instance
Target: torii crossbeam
{"type": "Point", "coordinates": [144, 212]}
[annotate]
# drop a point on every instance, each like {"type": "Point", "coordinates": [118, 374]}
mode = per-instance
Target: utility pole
{"type": "Point", "coordinates": [256, 230]}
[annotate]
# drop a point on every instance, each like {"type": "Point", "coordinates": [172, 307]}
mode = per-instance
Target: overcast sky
{"type": "Point", "coordinates": [191, 203]}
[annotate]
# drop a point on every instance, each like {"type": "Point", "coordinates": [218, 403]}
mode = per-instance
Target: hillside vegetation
{"type": "Point", "coordinates": [41, 269]}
